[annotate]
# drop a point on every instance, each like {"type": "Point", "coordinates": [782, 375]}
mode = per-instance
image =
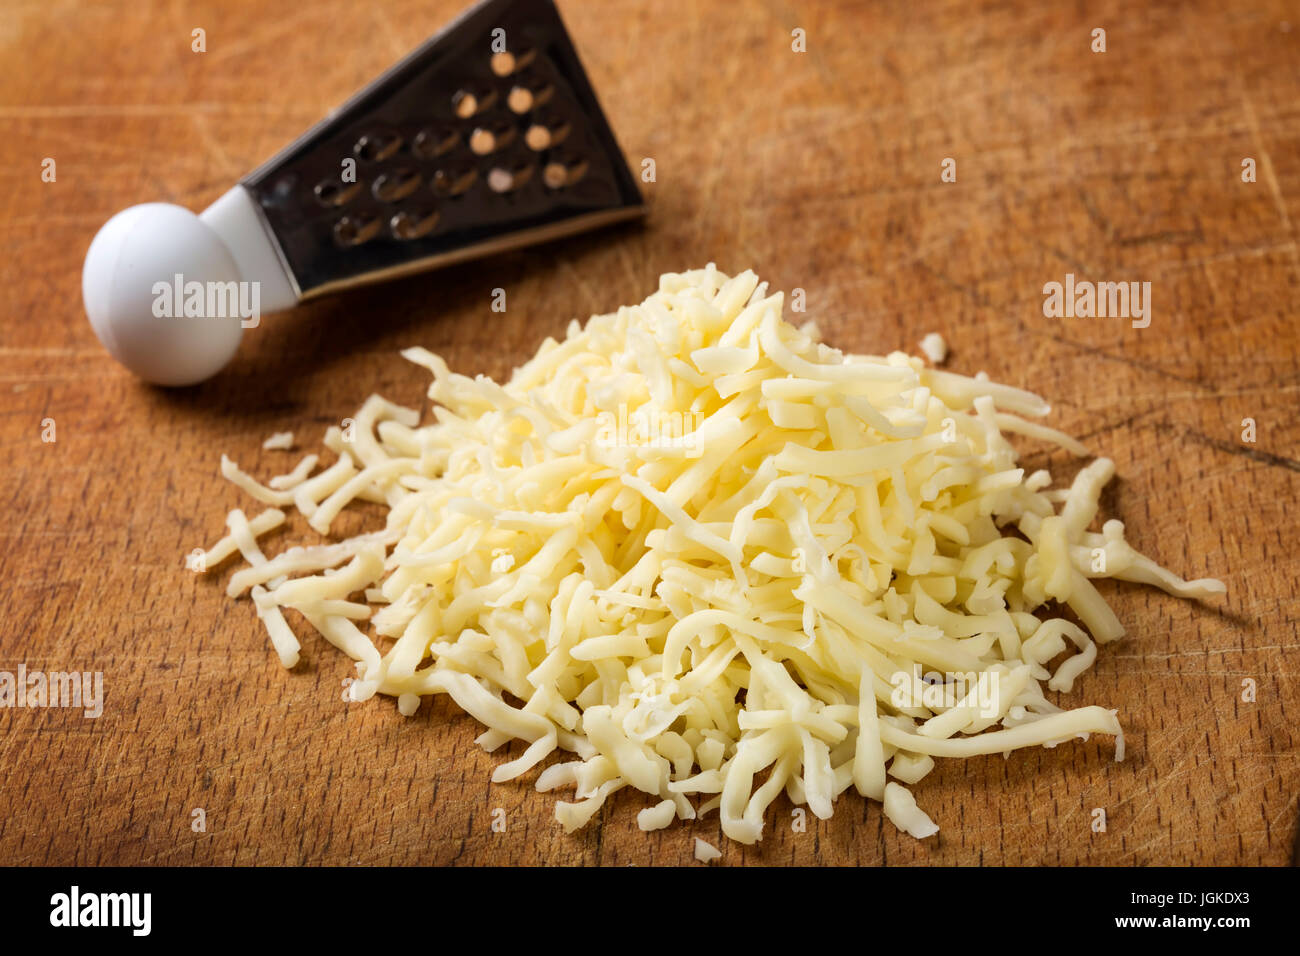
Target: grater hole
{"type": "Point", "coordinates": [528, 94]}
{"type": "Point", "coordinates": [434, 142]}
{"type": "Point", "coordinates": [410, 224]}
{"type": "Point", "coordinates": [454, 181]}
{"type": "Point", "coordinates": [467, 104]}
{"type": "Point", "coordinates": [503, 180]}
{"type": "Point", "coordinates": [541, 136]}
{"type": "Point", "coordinates": [354, 230]}
{"type": "Point", "coordinates": [503, 64]}
{"type": "Point", "coordinates": [376, 147]}
{"type": "Point", "coordinates": [537, 138]}
{"type": "Point", "coordinates": [282, 191]}
{"type": "Point", "coordinates": [506, 62]}
{"type": "Point", "coordinates": [484, 140]}
{"type": "Point", "coordinates": [331, 192]}
{"type": "Point", "coordinates": [559, 174]}
{"type": "Point", "coordinates": [395, 185]}
{"type": "Point", "coordinates": [520, 100]}
{"type": "Point", "coordinates": [555, 175]}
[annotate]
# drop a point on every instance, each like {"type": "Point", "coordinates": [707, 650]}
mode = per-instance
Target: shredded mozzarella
{"type": "Point", "coordinates": [706, 852]}
{"type": "Point", "coordinates": [934, 348]}
{"type": "Point", "coordinates": [713, 559]}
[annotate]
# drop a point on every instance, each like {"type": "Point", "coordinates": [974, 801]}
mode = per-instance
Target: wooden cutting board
{"type": "Point", "coordinates": [821, 170]}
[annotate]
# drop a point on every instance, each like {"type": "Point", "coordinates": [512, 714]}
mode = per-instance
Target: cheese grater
{"type": "Point", "coordinates": [486, 138]}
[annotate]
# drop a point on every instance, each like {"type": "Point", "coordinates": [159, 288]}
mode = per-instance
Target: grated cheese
{"type": "Point", "coordinates": [658, 816]}
{"type": "Point", "coordinates": [902, 811]}
{"type": "Point", "coordinates": [296, 476]}
{"type": "Point", "coordinates": [703, 552]}
{"type": "Point", "coordinates": [706, 852]}
{"type": "Point", "coordinates": [934, 348]}
{"type": "Point", "coordinates": [268, 520]}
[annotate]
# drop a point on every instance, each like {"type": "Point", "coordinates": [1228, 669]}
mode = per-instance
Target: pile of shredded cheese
{"type": "Point", "coordinates": [703, 554]}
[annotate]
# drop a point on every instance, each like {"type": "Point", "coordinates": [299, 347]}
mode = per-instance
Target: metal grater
{"type": "Point", "coordinates": [488, 137]}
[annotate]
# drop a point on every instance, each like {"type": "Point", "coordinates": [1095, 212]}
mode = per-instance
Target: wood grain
{"type": "Point", "coordinates": [819, 170]}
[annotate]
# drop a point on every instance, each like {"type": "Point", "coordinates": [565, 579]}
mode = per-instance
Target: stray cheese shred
{"type": "Point", "coordinates": [694, 551]}
{"type": "Point", "coordinates": [706, 852]}
{"type": "Point", "coordinates": [934, 348]}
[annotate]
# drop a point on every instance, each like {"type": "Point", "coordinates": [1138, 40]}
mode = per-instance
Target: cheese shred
{"type": "Point", "coordinates": [710, 558]}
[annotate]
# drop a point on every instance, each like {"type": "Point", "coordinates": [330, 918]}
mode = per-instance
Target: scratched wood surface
{"type": "Point", "coordinates": [820, 170]}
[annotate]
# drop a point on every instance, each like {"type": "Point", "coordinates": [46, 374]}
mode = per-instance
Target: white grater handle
{"type": "Point", "coordinates": [145, 248]}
